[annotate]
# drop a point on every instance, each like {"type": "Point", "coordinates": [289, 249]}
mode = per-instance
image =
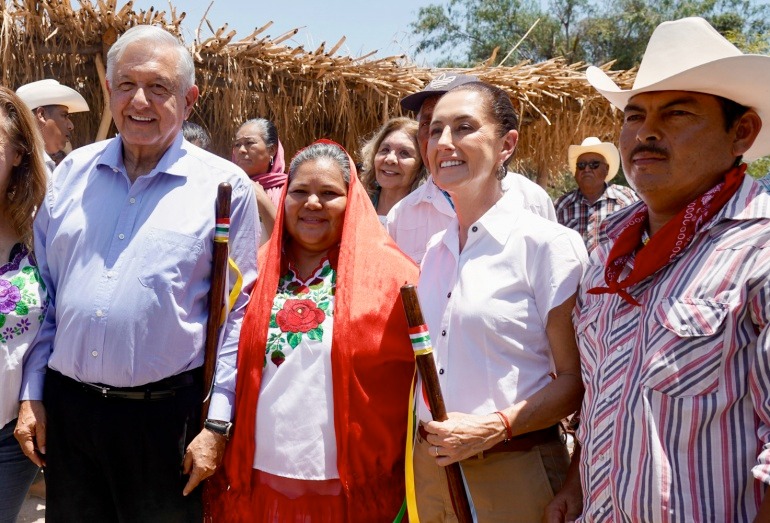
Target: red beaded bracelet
{"type": "Point", "coordinates": [504, 419]}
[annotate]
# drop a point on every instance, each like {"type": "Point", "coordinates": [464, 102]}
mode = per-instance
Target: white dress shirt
{"type": "Point", "coordinates": [427, 211]}
{"type": "Point", "coordinates": [486, 307]}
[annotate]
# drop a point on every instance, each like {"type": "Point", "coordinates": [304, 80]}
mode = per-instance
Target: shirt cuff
{"type": "Point", "coordinates": [32, 387]}
{"type": "Point", "coordinates": [221, 406]}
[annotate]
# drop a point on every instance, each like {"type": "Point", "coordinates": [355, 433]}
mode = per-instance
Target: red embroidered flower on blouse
{"type": "Point", "coordinates": [299, 316]}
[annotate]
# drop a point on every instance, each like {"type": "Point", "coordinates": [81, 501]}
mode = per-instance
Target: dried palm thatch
{"type": "Point", "coordinates": [308, 94]}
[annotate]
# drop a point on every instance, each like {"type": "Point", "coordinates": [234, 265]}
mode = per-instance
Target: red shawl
{"type": "Point", "coordinates": [372, 367]}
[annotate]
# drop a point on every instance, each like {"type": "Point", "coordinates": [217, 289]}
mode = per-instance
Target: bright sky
{"type": "Point", "coordinates": [368, 25]}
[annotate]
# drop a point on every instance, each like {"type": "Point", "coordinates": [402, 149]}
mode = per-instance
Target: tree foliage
{"type": "Point", "coordinates": [468, 32]}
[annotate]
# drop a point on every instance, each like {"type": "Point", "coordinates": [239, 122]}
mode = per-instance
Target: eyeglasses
{"type": "Point", "coordinates": [593, 164]}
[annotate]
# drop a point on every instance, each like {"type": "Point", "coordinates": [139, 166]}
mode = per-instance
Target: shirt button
{"type": "Point", "coordinates": [99, 313]}
{"type": "Point", "coordinates": [94, 353]}
{"type": "Point", "coordinates": [110, 274]}
{"type": "Point", "coordinates": [132, 200]}
{"type": "Point", "coordinates": [441, 371]}
{"type": "Point", "coordinates": [684, 329]}
{"type": "Point", "coordinates": [449, 295]}
{"type": "Point", "coordinates": [474, 228]}
{"type": "Point", "coordinates": [121, 236]}
{"type": "Point", "coordinates": [443, 333]}
{"type": "Point", "coordinates": [115, 170]}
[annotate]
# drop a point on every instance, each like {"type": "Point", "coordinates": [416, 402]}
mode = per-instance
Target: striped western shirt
{"type": "Point", "coordinates": [575, 212]}
{"type": "Point", "coordinates": [676, 416]}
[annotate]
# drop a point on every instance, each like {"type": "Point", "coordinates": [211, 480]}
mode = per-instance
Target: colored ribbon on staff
{"type": "Point", "coordinates": [420, 340]}
{"type": "Point", "coordinates": [222, 230]}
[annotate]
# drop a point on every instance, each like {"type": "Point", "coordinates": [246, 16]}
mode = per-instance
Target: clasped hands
{"type": "Point", "coordinates": [462, 436]}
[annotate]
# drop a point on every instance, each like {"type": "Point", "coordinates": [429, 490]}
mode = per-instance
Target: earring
{"type": "Point", "coordinates": [271, 162]}
{"type": "Point", "coordinates": [501, 172]}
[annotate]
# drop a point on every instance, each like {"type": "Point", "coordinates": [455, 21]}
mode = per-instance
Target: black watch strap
{"type": "Point", "coordinates": [220, 427]}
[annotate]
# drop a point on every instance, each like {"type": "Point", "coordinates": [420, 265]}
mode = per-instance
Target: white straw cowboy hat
{"type": "Point", "coordinates": [50, 92]}
{"type": "Point", "coordinates": [690, 55]}
{"type": "Point", "coordinates": [593, 145]}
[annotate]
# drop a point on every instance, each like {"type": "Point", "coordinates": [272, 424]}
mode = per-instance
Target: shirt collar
{"type": "Point", "coordinates": [172, 161]}
{"type": "Point", "coordinates": [751, 202]}
{"type": "Point", "coordinates": [497, 222]}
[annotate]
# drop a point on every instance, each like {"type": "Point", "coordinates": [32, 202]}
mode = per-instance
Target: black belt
{"type": "Point", "coordinates": [159, 390]}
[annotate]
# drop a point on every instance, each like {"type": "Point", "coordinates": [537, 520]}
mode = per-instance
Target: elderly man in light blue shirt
{"type": "Point", "coordinates": [124, 243]}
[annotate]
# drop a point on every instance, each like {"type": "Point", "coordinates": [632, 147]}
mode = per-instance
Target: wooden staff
{"type": "Point", "coordinates": [217, 293]}
{"type": "Point", "coordinates": [426, 365]}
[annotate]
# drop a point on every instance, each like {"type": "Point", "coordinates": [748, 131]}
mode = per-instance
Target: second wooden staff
{"type": "Point", "coordinates": [217, 292]}
{"type": "Point", "coordinates": [426, 365]}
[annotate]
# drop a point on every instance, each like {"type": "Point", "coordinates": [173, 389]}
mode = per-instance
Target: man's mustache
{"type": "Point", "coordinates": [648, 148]}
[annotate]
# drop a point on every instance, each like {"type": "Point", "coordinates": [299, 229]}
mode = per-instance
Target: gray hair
{"type": "Point", "coordinates": [266, 129]}
{"type": "Point", "coordinates": [155, 37]}
{"type": "Point", "coordinates": [319, 151]}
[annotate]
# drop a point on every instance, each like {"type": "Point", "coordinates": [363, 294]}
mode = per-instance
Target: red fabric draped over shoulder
{"type": "Point", "coordinates": [372, 368]}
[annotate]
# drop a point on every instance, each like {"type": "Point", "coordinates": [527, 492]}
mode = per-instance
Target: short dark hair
{"type": "Point", "coordinates": [193, 132]}
{"type": "Point", "coordinates": [732, 111]}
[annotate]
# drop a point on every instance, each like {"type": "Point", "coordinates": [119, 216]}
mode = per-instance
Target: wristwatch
{"type": "Point", "coordinates": [220, 427]}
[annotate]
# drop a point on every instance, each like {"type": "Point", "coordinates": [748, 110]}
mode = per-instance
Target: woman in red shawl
{"type": "Point", "coordinates": [258, 151]}
{"type": "Point", "coordinates": [325, 362]}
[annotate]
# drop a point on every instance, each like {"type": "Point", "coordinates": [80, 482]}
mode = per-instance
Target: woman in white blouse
{"type": "Point", "coordinates": [497, 290]}
{"type": "Point", "coordinates": [22, 294]}
{"type": "Point", "coordinates": [324, 363]}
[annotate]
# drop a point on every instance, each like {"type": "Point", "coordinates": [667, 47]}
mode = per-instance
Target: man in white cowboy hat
{"type": "Point", "coordinates": [593, 163]}
{"type": "Point", "coordinates": [673, 314]}
{"type": "Point", "coordinates": [428, 210]}
{"type": "Point", "coordinates": [53, 103]}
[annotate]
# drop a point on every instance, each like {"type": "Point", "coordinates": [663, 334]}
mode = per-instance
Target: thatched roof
{"type": "Point", "coordinates": [308, 94]}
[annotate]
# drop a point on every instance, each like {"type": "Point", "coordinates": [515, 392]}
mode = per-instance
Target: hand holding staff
{"type": "Point", "coordinates": [426, 365]}
{"type": "Point", "coordinates": [217, 293]}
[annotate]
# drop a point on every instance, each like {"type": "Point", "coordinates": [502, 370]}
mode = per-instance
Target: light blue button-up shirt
{"type": "Point", "coordinates": [128, 269]}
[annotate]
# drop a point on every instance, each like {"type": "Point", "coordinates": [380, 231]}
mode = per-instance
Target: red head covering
{"type": "Point", "coordinates": [372, 363]}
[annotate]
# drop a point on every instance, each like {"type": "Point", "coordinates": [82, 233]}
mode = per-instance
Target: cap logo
{"type": "Point", "coordinates": [440, 81]}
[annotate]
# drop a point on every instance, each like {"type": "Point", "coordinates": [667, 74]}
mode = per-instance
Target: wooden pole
{"type": "Point", "coordinates": [217, 292]}
{"type": "Point", "coordinates": [426, 366]}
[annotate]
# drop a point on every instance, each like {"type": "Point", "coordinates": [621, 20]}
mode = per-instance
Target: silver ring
{"type": "Point", "coordinates": [436, 447]}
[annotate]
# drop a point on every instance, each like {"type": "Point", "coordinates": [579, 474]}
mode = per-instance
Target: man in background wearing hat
{"type": "Point", "coordinates": [673, 312]}
{"type": "Point", "coordinates": [52, 104]}
{"type": "Point", "coordinates": [428, 210]}
{"type": "Point", "coordinates": [593, 163]}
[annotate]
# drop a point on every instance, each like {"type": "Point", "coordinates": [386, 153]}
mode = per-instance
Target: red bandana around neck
{"type": "Point", "coordinates": [668, 243]}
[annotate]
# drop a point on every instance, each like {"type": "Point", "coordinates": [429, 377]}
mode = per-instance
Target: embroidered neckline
{"type": "Point", "coordinates": [15, 263]}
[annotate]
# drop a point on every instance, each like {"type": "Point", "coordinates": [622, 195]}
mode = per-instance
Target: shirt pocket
{"type": "Point", "coordinates": [586, 322]}
{"type": "Point", "coordinates": [688, 336]}
{"type": "Point", "coordinates": [168, 260]}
